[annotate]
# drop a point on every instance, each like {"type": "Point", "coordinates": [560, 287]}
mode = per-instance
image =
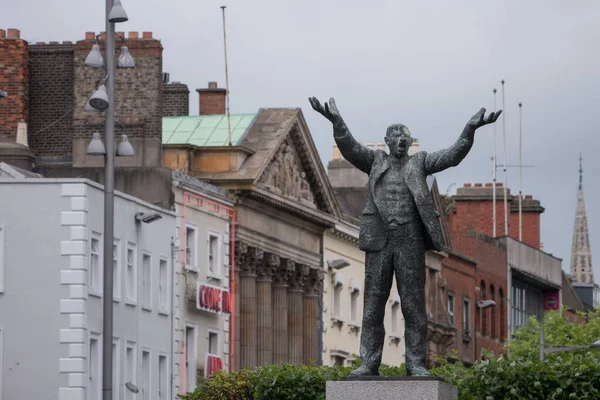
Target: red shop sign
{"type": "Point", "coordinates": [213, 364]}
{"type": "Point", "coordinates": [212, 298]}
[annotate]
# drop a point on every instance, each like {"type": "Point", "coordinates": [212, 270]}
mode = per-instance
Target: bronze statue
{"type": "Point", "coordinates": [399, 223]}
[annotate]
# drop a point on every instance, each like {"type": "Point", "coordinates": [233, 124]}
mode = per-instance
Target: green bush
{"type": "Point", "coordinates": [519, 375]}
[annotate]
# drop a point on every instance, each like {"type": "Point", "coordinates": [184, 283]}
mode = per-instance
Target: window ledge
{"type": "Point", "coordinates": [132, 303]}
{"type": "Point", "coordinates": [353, 327]}
{"type": "Point", "coordinates": [95, 293]}
{"type": "Point", "coordinates": [216, 278]}
{"type": "Point", "coordinates": [337, 321]}
{"type": "Point", "coordinates": [163, 312]}
{"type": "Point", "coordinates": [190, 269]}
{"type": "Point", "coordinates": [147, 308]}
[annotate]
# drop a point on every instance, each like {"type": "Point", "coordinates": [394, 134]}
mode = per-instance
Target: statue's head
{"type": "Point", "coordinates": [398, 139]}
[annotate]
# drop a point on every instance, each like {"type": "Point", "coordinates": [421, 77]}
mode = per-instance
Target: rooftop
{"type": "Point", "coordinates": [205, 130]}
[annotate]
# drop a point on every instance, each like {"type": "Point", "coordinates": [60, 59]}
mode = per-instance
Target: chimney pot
{"type": "Point", "coordinates": [147, 35]}
{"type": "Point", "coordinates": [478, 185]}
{"type": "Point", "coordinates": [212, 85]}
{"type": "Point", "coordinates": [488, 185]}
{"type": "Point", "coordinates": [14, 33]}
{"type": "Point", "coordinates": [467, 185]}
{"type": "Point", "coordinates": [2, 34]}
{"type": "Point", "coordinates": [90, 35]}
{"type": "Point", "coordinates": [529, 197]}
{"type": "Point", "coordinates": [133, 35]}
{"type": "Point", "coordinates": [119, 35]}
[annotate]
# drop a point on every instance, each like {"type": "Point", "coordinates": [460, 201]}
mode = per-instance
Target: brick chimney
{"type": "Point", "coordinates": [14, 80]}
{"type": "Point", "coordinates": [14, 103]}
{"type": "Point", "coordinates": [473, 210]}
{"type": "Point", "coordinates": [212, 100]}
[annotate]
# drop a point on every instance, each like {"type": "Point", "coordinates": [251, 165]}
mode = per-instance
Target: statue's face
{"type": "Point", "coordinates": [398, 139]}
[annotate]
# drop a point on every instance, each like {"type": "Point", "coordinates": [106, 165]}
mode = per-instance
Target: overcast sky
{"type": "Point", "coordinates": [428, 64]}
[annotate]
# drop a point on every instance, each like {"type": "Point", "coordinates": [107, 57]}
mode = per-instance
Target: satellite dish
{"type": "Point", "coordinates": [131, 387]}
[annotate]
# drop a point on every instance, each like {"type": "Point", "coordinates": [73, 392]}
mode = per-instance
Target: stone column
{"type": "Point", "coordinates": [284, 272]}
{"type": "Point", "coordinates": [265, 308]}
{"type": "Point", "coordinates": [241, 251]}
{"type": "Point", "coordinates": [312, 290]}
{"type": "Point", "coordinates": [296, 314]}
{"type": "Point", "coordinates": [248, 308]}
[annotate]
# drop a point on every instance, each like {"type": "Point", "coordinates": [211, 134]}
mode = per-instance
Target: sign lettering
{"type": "Point", "coordinates": [212, 299]}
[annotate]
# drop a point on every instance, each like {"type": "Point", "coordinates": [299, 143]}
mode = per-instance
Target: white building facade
{"type": "Point", "coordinates": [202, 287]}
{"type": "Point", "coordinates": [51, 250]}
{"type": "Point", "coordinates": [343, 302]}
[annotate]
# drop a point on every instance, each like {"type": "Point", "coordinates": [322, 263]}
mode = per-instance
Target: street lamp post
{"type": "Point", "coordinates": [104, 100]}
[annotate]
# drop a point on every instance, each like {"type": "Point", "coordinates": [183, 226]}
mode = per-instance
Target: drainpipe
{"type": "Point", "coordinates": [174, 249]}
{"type": "Point", "coordinates": [320, 301]}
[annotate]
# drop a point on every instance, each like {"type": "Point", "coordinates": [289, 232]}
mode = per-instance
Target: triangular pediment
{"type": "Point", "coordinates": [286, 176]}
{"type": "Point", "coordinates": [292, 168]}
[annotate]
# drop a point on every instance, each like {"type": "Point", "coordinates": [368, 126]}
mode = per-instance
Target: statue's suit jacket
{"type": "Point", "coordinates": [373, 233]}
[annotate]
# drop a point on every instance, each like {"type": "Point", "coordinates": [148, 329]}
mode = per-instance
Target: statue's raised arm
{"type": "Point", "coordinates": [452, 156]}
{"type": "Point", "coordinates": [357, 154]}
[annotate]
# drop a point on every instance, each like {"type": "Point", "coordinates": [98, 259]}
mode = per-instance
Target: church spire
{"type": "Point", "coordinates": [581, 255]}
{"type": "Point", "coordinates": [580, 172]}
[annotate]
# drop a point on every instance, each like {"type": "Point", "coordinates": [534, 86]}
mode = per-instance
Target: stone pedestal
{"type": "Point", "coordinates": [391, 388]}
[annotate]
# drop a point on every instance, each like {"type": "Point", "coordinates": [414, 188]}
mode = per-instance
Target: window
{"type": "Point", "coordinates": [146, 375]}
{"type": "Point", "coordinates": [163, 285]}
{"type": "Point", "coordinates": [213, 254]}
{"type": "Point", "coordinates": [191, 247]}
{"type": "Point", "coordinates": [94, 273]}
{"type": "Point", "coordinates": [354, 305]}
{"type": "Point", "coordinates": [466, 316]}
{"type": "Point", "coordinates": [213, 343]}
{"type": "Point", "coordinates": [130, 369]}
{"type": "Point", "coordinates": [115, 365]}
{"type": "Point", "coordinates": [116, 271]}
{"type": "Point", "coordinates": [1, 266]}
{"type": "Point", "coordinates": [451, 308]}
{"type": "Point", "coordinates": [190, 357]}
{"type": "Point", "coordinates": [162, 377]}
{"type": "Point", "coordinates": [95, 379]}
{"type": "Point", "coordinates": [338, 360]}
{"type": "Point", "coordinates": [396, 319]}
{"type": "Point", "coordinates": [146, 281]}
{"type": "Point", "coordinates": [494, 317]}
{"type": "Point", "coordinates": [337, 300]}
{"type": "Point", "coordinates": [131, 276]}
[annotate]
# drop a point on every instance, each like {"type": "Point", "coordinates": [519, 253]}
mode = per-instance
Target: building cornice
{"type": "Point", "coordinates": [296, 208]}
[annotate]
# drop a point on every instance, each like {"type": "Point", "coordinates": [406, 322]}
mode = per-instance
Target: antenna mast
{"type": "Point", "coordinates": [520, 172]}
{"type": "Point", "coordinates": [504, 139]}
{"type": "Point", "coordinates": [226, 76]}
{"type": "Point", "coordinates": [494, 159]}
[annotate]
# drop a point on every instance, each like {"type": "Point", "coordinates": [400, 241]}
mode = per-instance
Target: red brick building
{"type": "Point", "coordinates": [516, 275]}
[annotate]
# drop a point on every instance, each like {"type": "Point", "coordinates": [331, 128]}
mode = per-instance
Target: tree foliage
{"type": "Point", "coordinates": [518, 375]}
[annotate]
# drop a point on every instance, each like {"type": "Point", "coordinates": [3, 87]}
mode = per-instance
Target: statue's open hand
{"type": "Point", "coordinates": [478, 120]}
{"type": "Point", "coordinates": [329, 111]}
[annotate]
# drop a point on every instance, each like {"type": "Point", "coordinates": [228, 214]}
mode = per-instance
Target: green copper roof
{"type": "Point", "coordinates": [205, 130]}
